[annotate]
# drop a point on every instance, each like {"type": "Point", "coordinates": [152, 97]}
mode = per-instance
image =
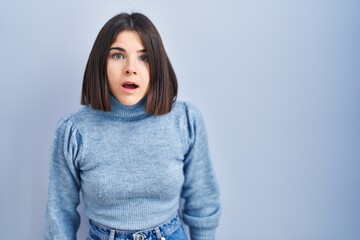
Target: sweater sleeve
{"type": "Point", "coordinates": [200, 190]}
{"type": "Point", "coordinates": [62, 219]}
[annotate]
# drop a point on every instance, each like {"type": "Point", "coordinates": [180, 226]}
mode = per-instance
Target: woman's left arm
{"type": "Point", "coordinates": [200, 190]}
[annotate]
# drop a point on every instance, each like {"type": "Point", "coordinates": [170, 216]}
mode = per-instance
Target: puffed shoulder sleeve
{"type": "Point", "coordinates": [200, 190]}
{"type": "Point", "coordinates": [62, 219]}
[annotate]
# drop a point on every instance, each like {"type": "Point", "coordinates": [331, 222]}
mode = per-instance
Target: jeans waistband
{"type": "Point", "coordinates": [160, 232]}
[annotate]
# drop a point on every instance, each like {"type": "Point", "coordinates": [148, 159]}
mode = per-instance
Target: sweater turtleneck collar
{"type": "Point", "coordinates": [128, 112]}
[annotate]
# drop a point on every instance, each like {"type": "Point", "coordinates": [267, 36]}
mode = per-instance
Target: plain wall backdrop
{"type": "Point", "coordinates": [278, 83]}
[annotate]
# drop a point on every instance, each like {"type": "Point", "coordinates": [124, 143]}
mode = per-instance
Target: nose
{"type": "Point", "coordinates": [130, 69]}
{"type": "Point", "coordinates": [129, 72]}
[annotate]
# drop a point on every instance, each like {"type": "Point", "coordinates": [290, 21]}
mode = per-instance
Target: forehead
{"type": "Point", "coordinates": [128, 40]}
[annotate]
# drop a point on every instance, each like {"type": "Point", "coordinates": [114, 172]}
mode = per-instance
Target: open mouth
{"type": "Point", "coordinates": [129, 85]}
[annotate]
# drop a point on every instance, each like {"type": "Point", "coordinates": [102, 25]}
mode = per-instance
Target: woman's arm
{"type": "Point", "coordinates": [62, 218]}
{"type": "Point", "coordinates": [200, 190]}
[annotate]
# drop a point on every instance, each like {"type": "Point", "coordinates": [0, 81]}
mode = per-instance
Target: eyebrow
{"type": "Point", "coordinates": [123, 50]}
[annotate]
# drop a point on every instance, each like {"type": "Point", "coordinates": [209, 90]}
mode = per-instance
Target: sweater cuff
{"type": "Point", "coordinates": [202, 233]}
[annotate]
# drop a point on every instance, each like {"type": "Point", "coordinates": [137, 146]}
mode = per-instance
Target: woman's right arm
{"type": "Point", "coordinates": [62, 219]}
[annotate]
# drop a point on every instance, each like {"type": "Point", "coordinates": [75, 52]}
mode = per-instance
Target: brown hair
{"type": "Point", "coordinates": [163, 86]}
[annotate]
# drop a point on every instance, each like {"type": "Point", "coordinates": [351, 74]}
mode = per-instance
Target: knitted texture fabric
{"type": "Point", "coordinates": [132, 168]}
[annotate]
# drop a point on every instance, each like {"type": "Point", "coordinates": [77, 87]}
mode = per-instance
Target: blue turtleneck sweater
{"type": "Point", "coordinates": [132, 168]}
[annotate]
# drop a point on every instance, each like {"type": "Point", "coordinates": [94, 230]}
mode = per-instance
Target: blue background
{"type": "Point", "coordinates": [278, 83]}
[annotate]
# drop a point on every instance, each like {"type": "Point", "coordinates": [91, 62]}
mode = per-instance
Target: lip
{"type": "Point", "coordinates": [129, 90]}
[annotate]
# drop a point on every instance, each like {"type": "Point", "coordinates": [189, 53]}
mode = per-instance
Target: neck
{"type": "Point", "coordinates": [120, 110]}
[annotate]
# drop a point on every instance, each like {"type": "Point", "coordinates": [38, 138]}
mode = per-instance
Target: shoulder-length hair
{"type": "Point", "coordinates": [162, 90]}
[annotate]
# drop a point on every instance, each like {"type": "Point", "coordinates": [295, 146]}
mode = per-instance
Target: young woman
{"type": "Point", "coordinates": [132, 150]}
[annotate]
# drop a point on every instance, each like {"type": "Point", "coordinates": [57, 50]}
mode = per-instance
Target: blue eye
{"type": "Point", "coordinates": [144, 58]}
{"type": "Point", "coordinates": [118, 56]}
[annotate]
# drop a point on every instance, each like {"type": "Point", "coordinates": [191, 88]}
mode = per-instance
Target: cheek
{"type": "Point", "coordinates": [113, 70]}
{"type": "Point", "coordinates": [145, 72]}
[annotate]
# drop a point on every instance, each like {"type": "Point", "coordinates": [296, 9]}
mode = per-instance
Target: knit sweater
{"type": "Point", "coordinates": [132, 168]}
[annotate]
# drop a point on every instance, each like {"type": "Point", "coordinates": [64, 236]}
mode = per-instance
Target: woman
{"type": "Point", "coordinates": [132, 150]}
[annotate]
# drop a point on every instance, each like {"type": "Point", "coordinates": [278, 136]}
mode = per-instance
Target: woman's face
{"type": "Point", "coordinates": [128, 70]}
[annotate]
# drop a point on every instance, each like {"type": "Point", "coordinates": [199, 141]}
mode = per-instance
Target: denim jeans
{"type": "Point", "coordinates": [170, 230]}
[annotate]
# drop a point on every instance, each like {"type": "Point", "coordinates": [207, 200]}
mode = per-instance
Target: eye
{"type": "Point", "coordinates": [144, 58]}
{"type": "Point", "coordinates": [117, 56]}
